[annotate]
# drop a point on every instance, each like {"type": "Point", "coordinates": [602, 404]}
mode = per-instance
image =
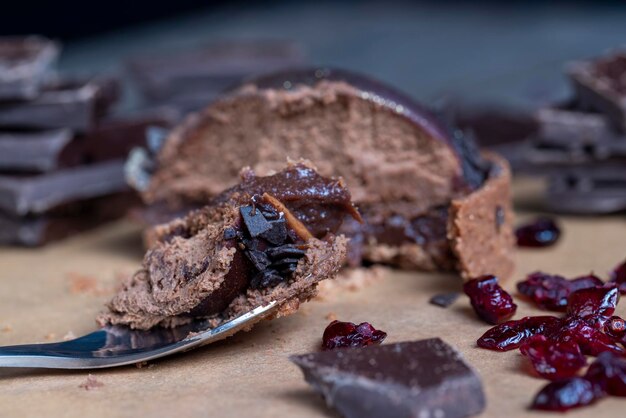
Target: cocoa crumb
{"type": "Point", "coordinates": [331, 316]}
{"type": "Point", "coordinates": [91, 383]}
{"type": "Point", "coordinates": [141, 364]}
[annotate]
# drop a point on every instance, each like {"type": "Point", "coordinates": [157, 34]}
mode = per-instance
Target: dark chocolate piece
{"type": "Point", "coordinates": [44, 151]}
{"type": "Point", "coordinates": [254, 220]}
{"type": "Point", "coordinates": [444, 299]}
{"type": "Point", "coordinates": [24, 64]}
{"type": "Point", "coordinates": [601, 85]}
{"type": "Point", "coordinates": [426, 378]}
{"type": "Point", "coordinates": [588, 190]}
{"type": "Point", "coordinates": [40, 193]}
{"type": "Point", "coordinates": [71, 104]}
{"type": "Point", "coordinates": [32, 231]}
{"type": "Point", "coordinates": [191, 79]}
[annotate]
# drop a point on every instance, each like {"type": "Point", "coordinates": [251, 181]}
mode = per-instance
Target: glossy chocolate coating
{"type": "Point", "coordinates": [320, 203]}
{"type": "Point", "coordinates": [473, 166]}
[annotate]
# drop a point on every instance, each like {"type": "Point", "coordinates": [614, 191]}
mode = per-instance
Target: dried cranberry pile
{"type": "Point", "coordinates": [346, 334]}
{"type": "Point", "coordinates": [491, 303]}
{"type": "Point", "coordinates": [542, 232]}
{"type": "Point", "coordinates": [556, 346]}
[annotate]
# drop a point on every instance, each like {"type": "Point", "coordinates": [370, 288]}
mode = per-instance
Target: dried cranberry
{"type": "Point", "coordinates": [553, 359]}
{"type": "Point", "coordinates": [512, 334]}
{"type": "Point", "coordinates": [492, 303]}
{"type": "Point", "coordinates": [615, 327]}
{"type": "Point", "coordinates": [618, 275]}
{"type": "Point", "coordinates": [346, 334]}
{"type": "Point", "coordinates": [542, 232]}
{"type": "Point", "coordinates": [597, 302]}
{"type": "Point", "coordinates": [591, 340]}
{"type": "Point", "coordinates": [608, 374]}
{"type": "Point", "coordinates": [552, 291]}
{"type": "Point", "coordinates": [565, 394]}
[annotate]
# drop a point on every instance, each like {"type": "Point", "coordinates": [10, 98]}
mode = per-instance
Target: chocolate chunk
{"type": "Point", "coordinates": [254, 220]}
{"type": "Point", "coordinates": [287, 250]}
{"type": "Point", "coordinates": [258, 259]}
{"type": "Point", "coordinates": [444, 299]}
{"type": "Point", "coordinates": [425, 378]}
{"type": "Point", "coordinates": [32, 231]}
{"type": "Point", "coordinates": [36, 151]}
{"type": "Point", "coordinates": [277, 234]}
{"type": "Point", "coordinates": [266, 278]}
{"type": "Point", "coordinates": [230, 233]}
{"type": "Point", "coordinates": [24, 64]}
{"type": "Point", "coordinates": [191, 79]}
{"type": "Point", "coordinates": [21, 195]}
{"type": "Point", "coordinates": [71, 104]}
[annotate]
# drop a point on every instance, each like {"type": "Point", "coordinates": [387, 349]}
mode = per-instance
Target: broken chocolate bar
{"type": "Point", "coordinates": [69, 104]}
{"type": "Point", "coordinates": [404, 168]}
{"type": "Point", "coordinates": [114, 137]}
{"type": "Point", "coordinates": [426, 378]}
{"type": "Point", "coordinates": [33, 194]}
{"type": "Point", "coordinates": [191, 79]}
{"type": "Point", "coordinates": [24, 64]}
{"type": "Point", "coordinates": [266, 239]}
{"type": "Point", "coordinates": [601, 85]}
{"type": "Point", "coordinates": [33, 231]}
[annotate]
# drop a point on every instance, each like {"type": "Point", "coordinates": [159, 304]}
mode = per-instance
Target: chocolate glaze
{"type": "Point", "coordinates": [320, 203]}
{"type": "Point", "coordinates": [474, 167]}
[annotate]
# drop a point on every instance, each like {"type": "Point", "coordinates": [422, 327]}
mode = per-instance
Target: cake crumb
{"type": "Point", "coordinates": [69, 336]}
{"type": "Point", "coordinates": [331, 316]}
{"type": "Point", "coordinates": [91, 383]}
{"type": "Point", "coordinates": [7, 328]}
{"type": "Point", "coordinates": [50, 336]}
{"type": "Point", "coordinates": [141, 364]}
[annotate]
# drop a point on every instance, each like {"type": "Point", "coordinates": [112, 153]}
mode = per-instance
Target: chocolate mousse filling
{"type": "Point", "coordinates": [267, 239]}
{"type": "Point", "coordinates": [404, 167]}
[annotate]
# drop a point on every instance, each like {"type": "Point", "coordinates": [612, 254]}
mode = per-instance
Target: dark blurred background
{"type": "Point", "coordinates": [510, 52]}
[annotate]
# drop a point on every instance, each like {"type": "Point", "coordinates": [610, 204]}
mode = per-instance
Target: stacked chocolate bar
{"type": "Point", "coordinates": [192, 78]}
{"type": "Point", "coordinates": [62, 150]}
{"type": "Point", "coordinates": [580, 146]}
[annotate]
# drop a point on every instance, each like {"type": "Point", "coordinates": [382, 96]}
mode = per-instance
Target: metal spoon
{"type": "Point", "coordinates": [118, 346]}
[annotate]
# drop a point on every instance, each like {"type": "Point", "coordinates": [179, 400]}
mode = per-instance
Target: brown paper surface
{"type": "Point", "coordinates": [46, 293]}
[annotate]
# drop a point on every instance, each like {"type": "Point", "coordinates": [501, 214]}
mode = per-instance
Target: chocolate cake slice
{"type": "Point", "coordinates": [408, 173]}
{"type": "Point", "coordinates": [267, 239]}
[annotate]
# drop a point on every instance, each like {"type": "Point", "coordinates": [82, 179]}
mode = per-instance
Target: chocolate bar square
{"type": "Point", "coordinates": [24, 64]}
{"type": "Point", "coordinates": [601, 84]}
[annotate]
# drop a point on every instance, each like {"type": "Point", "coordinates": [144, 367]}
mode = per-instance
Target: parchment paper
{"type": "Point", "coordinates": [47, 293]}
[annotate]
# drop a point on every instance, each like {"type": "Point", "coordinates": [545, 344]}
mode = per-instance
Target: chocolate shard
{"type": "Point", "coordinates": [74, 218]}
{"type": "Point", "coordinates": [71, 104]}
{"type": "Point", "coordinates": [254, 220]}
{"type": "Point", "coordinates": [22, 195]}
{"type": "Point", "coordinates": [425, 378]}
{"type": "Point", "coordinates": [277, 234]}
{"type": "Point", "coordinates": [24, 64]}
{"type": "Point", "coordinates": [444, 299]}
